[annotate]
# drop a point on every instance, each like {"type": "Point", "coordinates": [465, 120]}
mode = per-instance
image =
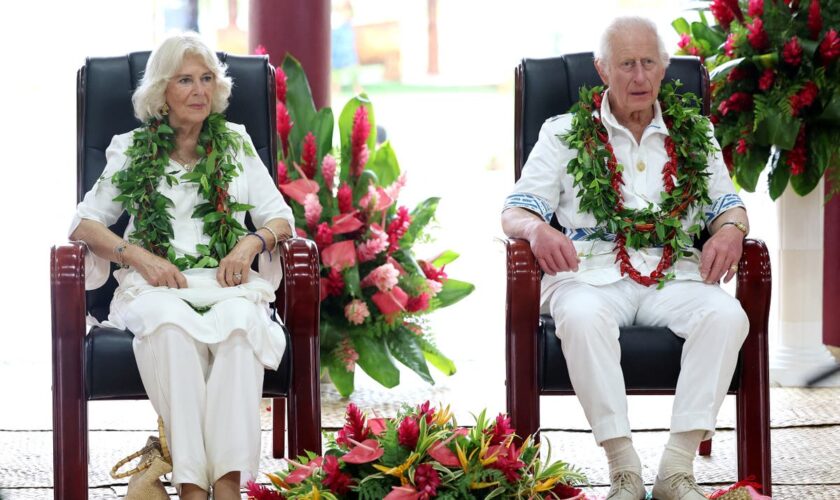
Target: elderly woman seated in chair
{"type": "Point", "coordinates": [631, 174]}
{"type": "Point", "coordinates": [200, 315]}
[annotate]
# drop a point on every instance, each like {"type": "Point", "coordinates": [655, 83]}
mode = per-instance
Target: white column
{"type": "Point", "coordinates": [797, 352]}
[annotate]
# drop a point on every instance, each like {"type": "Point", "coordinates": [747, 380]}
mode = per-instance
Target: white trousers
{"type": "Point", "coordinates": [209, 398]}
{"type": "Point", "coordinates": [588, 317]}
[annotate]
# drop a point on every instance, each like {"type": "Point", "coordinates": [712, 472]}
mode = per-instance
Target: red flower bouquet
{"type": "Point", "coordinates": [422, 454]}
{"type": "Point", "coordinates": [775, 88]}
{"type": "Point", "coordinates": [374, 291]}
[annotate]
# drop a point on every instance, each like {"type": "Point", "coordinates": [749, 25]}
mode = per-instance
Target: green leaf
{"type": "Point", "coordinates": [361, 187]}
{"type": "Point", "coordinates": [351, 280]}
{"type": "Point", "coordinates": [453, 290]}
{"type": "Point", "coordinates": [420, 216]}
{"type": "Point", "coordinates": [342, 379]}
{"type": "Point", "coordinates": [778, 130]}
{"type": "Point", "coordinates": [445, 257]}
{"type": "Point", "coordinates": [385, 165]}
{"type": "Point", "coordinates": [809, 47]}
{"type": "Point", "coordinates": [748, 169]}
{"type": "Point", "coordinates": [702, 32]}
{"type": "Point", "coordinates": [778, 180]}
{"type": "Point", "coordinates": [831, 113]}
{"type": "Point", "coordinates": [681, 26]}
{"type": "Point", "coordinates": [375, 360]}
{"type": "Point", "coordinates": [404, 347]}
{"type": "Point", "coordinates": [436, 358]}
{"type": "Point", "coordinates": [322, 129]}
{"type": "Point", "coordinates": [805, 182]}
{"type": "Point", "coordinates": [723, 69]}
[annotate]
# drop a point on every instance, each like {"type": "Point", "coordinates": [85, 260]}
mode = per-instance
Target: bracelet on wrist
{"type": "Point", "coordinates": [262, 240]}
{"type": "Point", "coordinates": [276, 239]}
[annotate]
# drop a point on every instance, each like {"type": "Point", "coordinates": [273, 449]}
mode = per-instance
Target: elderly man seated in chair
{"type": "Point", "coordinates": [632, 173]}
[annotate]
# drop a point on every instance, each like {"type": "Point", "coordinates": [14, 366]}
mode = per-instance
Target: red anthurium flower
{"type": "Point", "coordinates": [442, 453]}
{"type": "Point", "coordinates": [303, 471]}
{"type": "Point", "coordinates": [426, 479]}
{"type": "Point", "coordinates": [815, 22]}
{"type": "Point", "coordinates": [766, 80]}
{"type": "Point", "coordinates": [280, 83]}
{"type": "Point", "coordinates": [346, 223]}
{"type": "Point", "coordinates": [566, 491]}
{"type": "Point", "coordinates": [339, 255]}
{"type": "Point", "coordinates": [830, 47]}
{"type": "Point", "coordinates": [407, 432]}
{"type": "Point", "coordinates": [338, 482]}
{"type": "Point", "coordinates": [258, 492]}
{"type": "Point", "coordinates": [756, 8]}
{"type": "Point", "coordinates": [390, 302]}
{"type": "Point", "coordinates": [297, 190]}
{"type": "Point", "coordinates": [757, 36]}
{"type": "Point", "coordinates": [355, 427]}
{"type": "Point", "coordinates": [377, 426]}
{"type": "Point", "coordinates": [308, 156]}
{"type": "Point", "coordinates": [345, 199]}
{"type": "Point", "coordinates": [365, 452]}
{"type": "Point", "coordinates": [402, 493]}
{"type": "Point", "coordinates": [792, 52]}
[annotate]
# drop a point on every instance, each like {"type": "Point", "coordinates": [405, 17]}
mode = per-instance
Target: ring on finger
{"type": "Point", "coordinates": [237, 276]}
{"type": "Point", "coordinates": [734, 268]}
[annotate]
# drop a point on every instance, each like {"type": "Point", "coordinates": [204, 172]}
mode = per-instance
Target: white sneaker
{"type": "Point", "coordinates": [680, 486]}
{"type": "Point", "coordinates": [626, 486]}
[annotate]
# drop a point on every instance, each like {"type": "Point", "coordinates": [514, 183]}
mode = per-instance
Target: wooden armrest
{"type": "Point", "coordinates": [67, 288]}
{"type": "Point", "coordinates": [299, 298]}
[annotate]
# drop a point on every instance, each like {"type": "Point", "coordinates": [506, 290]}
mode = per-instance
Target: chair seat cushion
{"type": "Point", "coordinates": [650, 359]}
{"type": "Point", "coordinates": [111, 370]}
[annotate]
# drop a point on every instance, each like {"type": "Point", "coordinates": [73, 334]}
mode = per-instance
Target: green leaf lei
{"type": "Point", "coordinates": [217, 166]}
{"type": "Point", "coordinates": [598, 178]}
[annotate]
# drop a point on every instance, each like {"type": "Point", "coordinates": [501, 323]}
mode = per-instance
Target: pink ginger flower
{"type": "Point", "coordinates": [280, 83]}
{"type": "Point", "coordinates": [729, 45]}
{"type": "Point", "coordinates": [792, 52]}
{"type": "Point", "coordinates": [284, 126]}
{"type": "Point", "coordinates": [308, 156]}
{"type": "Point", "coordinates": [345, 199]}
{"type": "Point", "coordinates": [358, 141]}
{"type": "Point", "coordinates": [766, 80]}
{"type": "Point", "coordinates": [393, 190]}
{"type": "Point", "coordinates": [356, 311]}
{"type": "Point", "coordinates": [427, 480]}
{"type": "Point", "coordinates": [347, 353]}
{"type": "Point", "coordinates": [756, 8]}
{"type": "Point", "coordinates": [757, 36]}
{"type": "Point", "coordinates": [312, 210]}
{"type": "Point", "coordinates": [373, 246]}
{"type": "Point", "coordinates": [685, 41]}
{"type": "Point", "coordinates": [830, 47]}
{"type": "Point", "coordinates": [282, 173]}
{"type": "Point", "coordinates": [815, 21]}
{"type": "Point", "coordinates": [260, 50]}
{"type": "Point", "coordinates": [384, 278]}
{"type": "Point", "coordinates": [328, 165]}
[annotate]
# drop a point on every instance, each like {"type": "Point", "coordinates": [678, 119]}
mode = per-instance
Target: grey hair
{"type": "Point", "coordinates": [149, 97]}
{"type": "Point", "coordinates": [623, 24]}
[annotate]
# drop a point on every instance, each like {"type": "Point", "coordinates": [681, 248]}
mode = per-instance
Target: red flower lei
{"type": "Point", "coordinates": [646, 227]}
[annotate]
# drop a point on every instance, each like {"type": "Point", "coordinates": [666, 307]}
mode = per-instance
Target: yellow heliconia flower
{"type": "Point", "coordinates": [277, 481]}
{"type": "Point", "coordinates": [478, 486]}
{"type": "Point", "coordinates": [482, 455]}
{"type": "Point", "coordinates": [443, 415]}
{"type": "Point", "coordinates": [398, 471]}
{"type": "Point", "coordinates": [462, 457]}
{"type": "Point", "coordinates": [315, 494]}
{"type": "Point", "coordinates": [547, 484]}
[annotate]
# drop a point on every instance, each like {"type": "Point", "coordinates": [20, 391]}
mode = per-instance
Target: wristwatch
{"type": "Point", "coordinates": [740, 225]}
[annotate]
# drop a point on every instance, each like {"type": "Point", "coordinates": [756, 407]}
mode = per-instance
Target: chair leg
{"type": "Point", "coordinates": [705, 448]}
{"type": "Point", "coordinates": [753, 440]}
{"type": "Point", "coordinates": [278, 427]}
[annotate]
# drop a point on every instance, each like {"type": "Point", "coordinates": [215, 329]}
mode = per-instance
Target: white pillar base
{"type": "Point", "coordinates": [794, 364]}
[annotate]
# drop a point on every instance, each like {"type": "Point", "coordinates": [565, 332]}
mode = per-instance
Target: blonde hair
{"type": "Point", "coordinates": [623, 24]}
{"type": "Point", "coordinates": [149, 97]}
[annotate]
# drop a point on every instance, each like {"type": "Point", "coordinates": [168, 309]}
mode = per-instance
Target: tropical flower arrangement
{"type": "Point", "coordinates": [374, 291]}
{"type": "Point", "coordinates": [775, 88]}
{"type": "Point", "coordinates": [423, 454]}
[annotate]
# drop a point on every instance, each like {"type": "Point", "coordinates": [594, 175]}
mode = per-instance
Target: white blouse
{"type": "Point", "coordinates": [546, 188]}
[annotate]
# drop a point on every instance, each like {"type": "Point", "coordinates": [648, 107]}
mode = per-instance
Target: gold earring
{"type": "Point", "coordinates": [164, 110]}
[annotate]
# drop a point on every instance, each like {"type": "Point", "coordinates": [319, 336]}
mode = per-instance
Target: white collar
{"type": "Point", "coordinates": [656, 125]}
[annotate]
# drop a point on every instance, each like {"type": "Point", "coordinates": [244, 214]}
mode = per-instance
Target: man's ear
{"type": "Point", "coordinates": [601, 72]}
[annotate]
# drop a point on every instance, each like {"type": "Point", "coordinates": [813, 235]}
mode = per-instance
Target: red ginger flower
{"type": "Point", "coordinates": [323, 235]}
{"type": "Point", "coordinates": [508, 463]}
{"type": "Point", "coordinates": [308, 156]}
{"type": "Point", "coordinates": [815, 22]}
{"type": "Point", "coordinates": [729, 45]}
{"type": "Point", "coordinates": [397, 229]}
{"type": "Point", "coordinates": [796, 157]}
{"type": "Point", "coordinates": [355, 427]}
{"type": "Point", "coordinates": [725, 11]}
{"type": "Point", "coordinates": [766, 80]}
{"type": "Point", "coordinates": [565, 491]}
{"type": "Point", "coordinates": [338, 482]}
{"type": "Point", "coordinates": [345, 199]}
{"type": "Point", "coordinates": [427, 411]}
{"type": "Point", "coordinates": [685, 41]}
{"type": "Point", "coordinates": [358, 141]}
{"type": "Point", "coordinates": [432, 272]}
{"type": "Point", "coordinates": [757, 36]}
{"type": "Point", "coordinates": [756, 8]}
{"type": "Point", "coordinates": [737, 74]}
{"type": "Point", "coordinates": [418, 303]}
{"type": "Point", "coordinates": [280, 84]}
{"type": "Point", "coordinates": [792, 52]}
{"type": "Point", "coordinates": [332, 285]}
{"type": "Point", "coordinates": [830, 47]}
{"type": "Point", "coordinates": [258, 492]}
{"type": "Point", "coordinates": [500, 431]}
{"type": "Point", "coordinates": [284, 126]}
{"type": "Point", "coordinates": [260, 50]}
{"type": "Point", "coordinates": [741, 148]}
{"type": "Point", "coordinates": [739, 101]}
{"type": "Point", "coordinates": [282, 173]}
{"type": "Point", "coordinates": [804, 98]}
{"type": "Point", "coordinates": [426, 480]}
{"type": "Point", "coordinates": [408, 432]}
{"type": "Point", "coordinates": [727, 157]}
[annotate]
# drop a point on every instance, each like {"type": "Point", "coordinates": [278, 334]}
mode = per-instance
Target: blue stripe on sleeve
{"type": "Point", "coordinates": [530, 202]}
{"type": "Point", "coordinates": [723, 204]}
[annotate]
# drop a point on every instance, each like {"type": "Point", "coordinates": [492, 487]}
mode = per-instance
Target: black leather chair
{"type": "Point", "coordinates": [101, 364]}
{"type": "Point", "coordinates": [535, 362]}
